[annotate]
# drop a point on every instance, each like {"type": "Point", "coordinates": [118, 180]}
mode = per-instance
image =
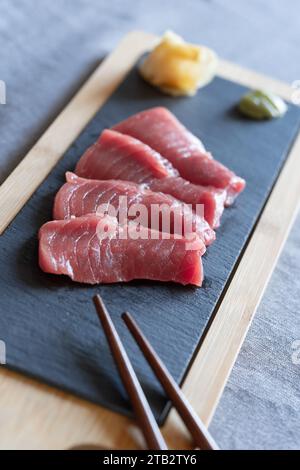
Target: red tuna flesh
{"type": "Point", "coordinates": [161, 130]}
{"type": "Point", "coordinates": [120, 162]}
{"type": "Point", "coordinates": [75, 247]}
{"type": "Point", "coordinates": [129, 159]}
{"type": "Point", "coordinates": [80, 196]}
{"type": "Point", "coordinates": [211, 199]}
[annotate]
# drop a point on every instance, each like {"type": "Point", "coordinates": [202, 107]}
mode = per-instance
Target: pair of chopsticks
{"type": "Point", "coordinates": [154, 439]}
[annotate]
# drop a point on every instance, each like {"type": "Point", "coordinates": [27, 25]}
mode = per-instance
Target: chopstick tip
{"type": "Point", "coordinates": [96, 298]}
{"type": "Point", "coordinates": [128, 319]}
{"type": "Point", "coordinates": [100, 306]}
{"type": "Point", "coordinates": [98, 301]}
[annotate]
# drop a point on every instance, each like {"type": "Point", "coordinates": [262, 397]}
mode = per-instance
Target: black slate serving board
{"type": "Point", "coordinates": [49, 324]}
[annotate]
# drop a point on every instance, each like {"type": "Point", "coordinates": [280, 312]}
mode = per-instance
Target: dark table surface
{"type": "Point", "coordinates": [49, 48]}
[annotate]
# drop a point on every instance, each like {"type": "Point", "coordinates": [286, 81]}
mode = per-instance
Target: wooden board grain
{"type": "Point", "coordinates": [193, 379]}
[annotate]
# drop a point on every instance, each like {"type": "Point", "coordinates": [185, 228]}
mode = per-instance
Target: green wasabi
{"type": "Point", "coordinates": [260, 104]}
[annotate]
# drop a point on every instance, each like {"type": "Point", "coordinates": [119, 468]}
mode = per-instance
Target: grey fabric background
{"type": "Point", "coordinates": [49, 48]}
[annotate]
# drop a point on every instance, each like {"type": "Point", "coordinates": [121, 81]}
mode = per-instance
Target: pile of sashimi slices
{"type": "Point", "coordinates": [153, 161]}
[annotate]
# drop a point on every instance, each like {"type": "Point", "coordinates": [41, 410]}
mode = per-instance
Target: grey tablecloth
{"type": "Point", "coordinates": [49, 48]}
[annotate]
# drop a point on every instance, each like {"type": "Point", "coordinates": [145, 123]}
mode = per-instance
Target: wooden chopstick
{"type": "Point", "coordinates": [140, 405]}
{"type": "Point", "coordinates": [199, 432]}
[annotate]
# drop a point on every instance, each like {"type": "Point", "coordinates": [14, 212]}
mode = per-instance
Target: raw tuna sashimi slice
{"type": "Point", "coordinates": [160, 129]}
{"type": "Point", "coordinates": [129, 158]}
{"type": "Point", "coordinates": [98, 163]}
{"type": "Point", "coordinates": [80, 196]}
{"type": "Point", "coordinates": [211, 199]}
{"type": "Point", "coordinates": [78, 248]}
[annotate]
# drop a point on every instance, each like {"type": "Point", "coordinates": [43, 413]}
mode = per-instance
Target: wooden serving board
{"type": "Point", "coordinates": [48, 323]}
